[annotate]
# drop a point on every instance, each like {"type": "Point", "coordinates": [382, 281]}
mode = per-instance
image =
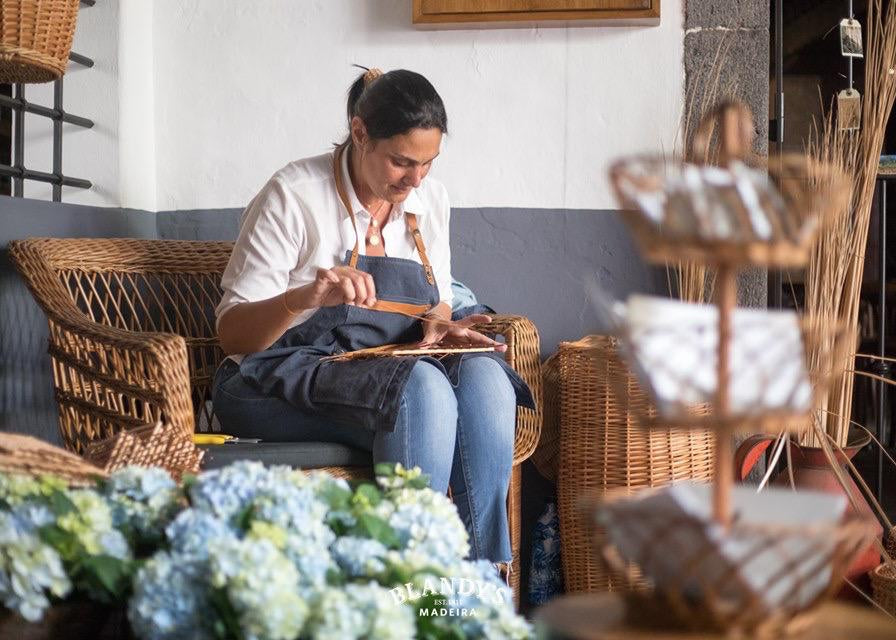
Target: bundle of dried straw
{"type": "Point", "coordinates": [834, 273]}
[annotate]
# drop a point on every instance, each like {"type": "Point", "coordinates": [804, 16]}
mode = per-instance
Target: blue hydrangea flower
{"type": "Point", "coordinates": [194, 532]}
{"type": "Point", "coordinates": [359, 557]}
{"type": "Point", "coordinates": [143, 501]}
{"type": "Point", "coordinates": [227, 492]}
{"type": "Point", "coordinates": [278, 495]}
{"type": "Point", "coordinates": [336, 616]}
{"type": "Point", "coordinates": [29, 568]}
{"type": "Point", "coordinates": [293, 507]}
{"type": "Point", "coordinates": [384, 618]}
{"type": "Point", "coordinates": [313, 562]}
{"type": "Point", "coordinates": [428, 522]}
{"type": "Point", "coordinates": [171, 599]}
{"type": "Point", "coordinates": [91, 523]}
{"type": "Point", "coordinates": [261, 586]}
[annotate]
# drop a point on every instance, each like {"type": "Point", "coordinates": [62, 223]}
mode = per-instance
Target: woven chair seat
{"type": "Point", "coordinates": [302, 455]}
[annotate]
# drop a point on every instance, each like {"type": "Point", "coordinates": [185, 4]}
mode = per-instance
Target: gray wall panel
{"type": "Point", "coordinates": [26, 385]}
{"type": "Point", "coordinates": [203, 224]}
{"type": "Point", "coordinates": [22, 217]}
{"type": "Point", "coordinates": [539, 263]}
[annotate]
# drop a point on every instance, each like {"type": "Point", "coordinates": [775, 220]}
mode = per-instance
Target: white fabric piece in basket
{"type": "Point", "coordinates": [672, 346]}
{"type": "Point", "coordinates": [755, 555]}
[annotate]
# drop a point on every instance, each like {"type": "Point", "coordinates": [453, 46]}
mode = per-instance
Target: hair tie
{"type": "Point", "coordinates": [371, 75]}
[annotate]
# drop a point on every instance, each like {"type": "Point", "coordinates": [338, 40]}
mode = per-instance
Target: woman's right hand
{"type": "Point", "coordinates": [331, 287]}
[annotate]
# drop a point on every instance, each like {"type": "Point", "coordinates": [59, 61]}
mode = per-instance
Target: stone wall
{"type": "Point", "coordinates": [726, 54]}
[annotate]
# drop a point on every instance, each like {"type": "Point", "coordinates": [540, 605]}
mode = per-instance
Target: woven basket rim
{"type": "Point", "coordinates": [885, 572]}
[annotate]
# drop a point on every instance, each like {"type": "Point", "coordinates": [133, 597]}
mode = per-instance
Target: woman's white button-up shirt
{"type": "Point", "coordinates": [297, 223]}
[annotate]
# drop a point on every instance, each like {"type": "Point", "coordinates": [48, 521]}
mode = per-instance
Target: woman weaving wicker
{"type": "Point", "coordinates": [301, 287]}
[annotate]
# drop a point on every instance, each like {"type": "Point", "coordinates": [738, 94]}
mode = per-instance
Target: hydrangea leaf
{"type": "Point", "coordinates": [60, 504]}
{"type": "Point", "coordinates": [104, 574]}
{"type": "Point", "coordinates": [375, 527]}
{"type": "Point", "coordinates": [227, 625]}
{"type": "Point", "coordinates": [65, 543]}
{"type": "Point", "coordinates": [368, 495]}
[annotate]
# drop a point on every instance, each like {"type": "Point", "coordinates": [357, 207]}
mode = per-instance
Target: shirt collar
{"type": "Point", "coordinates": [412, 204]}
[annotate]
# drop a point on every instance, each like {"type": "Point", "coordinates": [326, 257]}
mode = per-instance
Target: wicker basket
{"type": "Point", "coordinates": [883, 583]}
{"type": "Point", "coordinates": [668, 227]}
{"type": "Point", "coordinates": [35, 39]}
{"type": "Point", "coordinates": [29, 456]}
{"type": "Point", "coordinates": [154, 445]}
{"type": "Point", "coordinates": [754, 580]}
{"type": "Point", "coordinates": [770, 405]}
{"type": "Point", "coordinates": [602, 447]}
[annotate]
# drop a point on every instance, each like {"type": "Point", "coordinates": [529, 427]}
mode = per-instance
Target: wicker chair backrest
{"type": "Point", "coordinates": [164, 286]}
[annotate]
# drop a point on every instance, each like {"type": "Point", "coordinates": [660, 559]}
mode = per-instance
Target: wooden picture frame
{"type": "Point", "coordinates": [437, 12]}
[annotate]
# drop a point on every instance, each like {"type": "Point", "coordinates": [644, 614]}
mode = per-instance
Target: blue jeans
{"type": "Point", "coordinates": [475, 421]}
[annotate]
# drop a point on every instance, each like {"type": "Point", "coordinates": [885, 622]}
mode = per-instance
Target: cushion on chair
{"type": "Point", "coordinates": [304, 455]}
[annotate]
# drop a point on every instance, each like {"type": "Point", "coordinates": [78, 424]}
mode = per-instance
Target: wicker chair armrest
{"type": "Point", "coordinates": [107, 375]}
{"type": "Point", "coordinates": [523, 354]}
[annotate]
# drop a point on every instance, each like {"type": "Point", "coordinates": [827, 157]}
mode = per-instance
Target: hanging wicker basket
{"type": "Point", "coordinates": [35, 39]}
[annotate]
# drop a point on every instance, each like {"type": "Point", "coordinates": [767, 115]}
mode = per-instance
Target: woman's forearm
{"type": "Point", "coordinates": [250, 327]}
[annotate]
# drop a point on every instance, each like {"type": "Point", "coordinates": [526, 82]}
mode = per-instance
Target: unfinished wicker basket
{"type": "Point", "coordinates": [25, 455]}
{"type": "Point", "coordinates": [154, 445]}
{"type": "Point", "coordinates": [35, 39]}
{"type": "Point", "coordinates": [602, 447]}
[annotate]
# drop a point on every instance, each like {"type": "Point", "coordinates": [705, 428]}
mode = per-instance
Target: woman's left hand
{"type": "Point", "coordinates": [457, 334]}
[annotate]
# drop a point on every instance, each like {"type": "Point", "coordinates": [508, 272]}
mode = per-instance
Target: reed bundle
{"type": "Point", "coordinates": [834, 274]}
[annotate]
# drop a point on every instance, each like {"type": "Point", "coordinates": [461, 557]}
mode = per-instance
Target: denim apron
{"type": "Point", "coordinates": [364, 392]}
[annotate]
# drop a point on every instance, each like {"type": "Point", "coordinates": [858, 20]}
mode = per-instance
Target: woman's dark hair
{"type": "Point", "coordinates": [395, 103]}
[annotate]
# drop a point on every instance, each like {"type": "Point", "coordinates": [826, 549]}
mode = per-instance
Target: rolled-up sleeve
{"type": "Point", "coordinates": [267, 249]}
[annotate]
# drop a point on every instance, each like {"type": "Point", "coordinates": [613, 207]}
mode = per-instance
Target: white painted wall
{"type": "Point", "coordinates": [241, 88]}
{"type": "Point", "coordinates": [136, 100]}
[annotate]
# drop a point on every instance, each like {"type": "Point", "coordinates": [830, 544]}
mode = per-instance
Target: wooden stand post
{"type": "Point", "coordinates": [726, 301]}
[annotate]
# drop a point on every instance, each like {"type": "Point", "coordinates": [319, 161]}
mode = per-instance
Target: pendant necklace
{"type": "Point", "coordinates": [374, 238]}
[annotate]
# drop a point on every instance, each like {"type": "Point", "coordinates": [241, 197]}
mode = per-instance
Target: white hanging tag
{"type": "Point", "coordinates": [849, 110]}
{"type": "Point", "coordinates": [851, 38]}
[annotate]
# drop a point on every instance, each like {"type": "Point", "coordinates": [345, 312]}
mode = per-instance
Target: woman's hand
{"type": "Point", "coordinates": [439, 330]}
{"type": "Point", "coordinates": [331, 287]}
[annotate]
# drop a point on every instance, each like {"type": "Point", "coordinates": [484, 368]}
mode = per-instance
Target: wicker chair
{"type": "Point", "coordinates": [132, 340]}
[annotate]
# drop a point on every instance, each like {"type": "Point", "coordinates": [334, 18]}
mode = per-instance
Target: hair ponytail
{"type": "Point", "coordinates": [394, 103]}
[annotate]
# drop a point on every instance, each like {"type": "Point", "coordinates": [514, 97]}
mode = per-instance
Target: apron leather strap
{"type": "Point", "coordinates": [418, 240]}
{"type": "Point", "coordinates": [404, 308]}
{"type": "Point", "coordinates": [410, 219]}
